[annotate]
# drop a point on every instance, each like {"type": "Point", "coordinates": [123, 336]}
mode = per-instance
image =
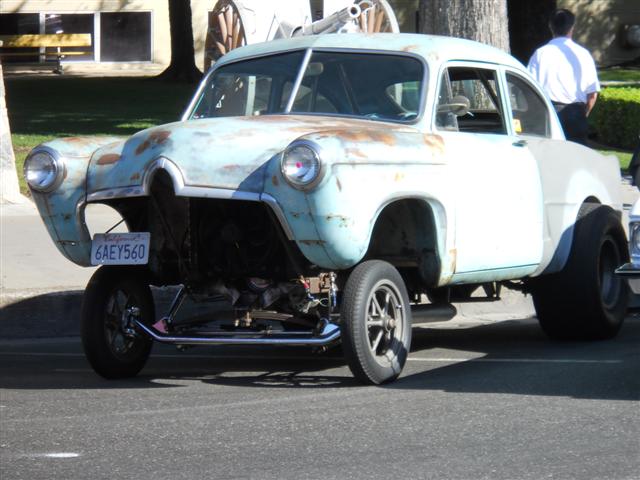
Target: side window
{"type": "Point", "coordinates": [529, 111]}
{"type": "Point", "coordinates": [469, 101]}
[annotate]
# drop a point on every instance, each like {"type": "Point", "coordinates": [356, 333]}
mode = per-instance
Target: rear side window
{"type": "Point", "coordinates": [528, 109]}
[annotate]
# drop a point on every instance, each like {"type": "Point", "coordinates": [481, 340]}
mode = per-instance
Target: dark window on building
{"type": "Point", "coordinates": [71, 23]}
{"type": "Point", "coordinates": [125, 37]}
{"type": "Point", "coordinates": [19, 24]}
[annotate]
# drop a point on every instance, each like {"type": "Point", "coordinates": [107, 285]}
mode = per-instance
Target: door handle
{"type": "Point", "coordinates": [520, 143]}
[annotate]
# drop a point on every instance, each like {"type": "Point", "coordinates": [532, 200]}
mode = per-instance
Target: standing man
{"type": "Point", "coordinates": [568, 75]}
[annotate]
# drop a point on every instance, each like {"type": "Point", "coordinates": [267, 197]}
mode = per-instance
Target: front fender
{"type": "Point", "coordinates": [62, 210]}
{"type": "Point", "coordinates": [364, 170]}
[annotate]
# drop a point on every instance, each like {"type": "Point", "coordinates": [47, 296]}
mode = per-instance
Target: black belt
{"type": "Point", "coordinates": [560, 104]}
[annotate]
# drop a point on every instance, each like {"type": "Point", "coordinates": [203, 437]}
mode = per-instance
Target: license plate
{"type": "Point", "coordinates": [120, 248]}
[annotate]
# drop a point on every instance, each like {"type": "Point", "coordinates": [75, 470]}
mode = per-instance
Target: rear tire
{"type": "Point", "coordinates": [375, 322]}
{"type": "Point", "coordinates": [586, 300]}
{"type": "Point", "coordinates": [112, 344]}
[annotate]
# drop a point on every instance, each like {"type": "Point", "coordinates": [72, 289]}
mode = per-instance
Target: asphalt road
{"type": "Point", "coordinates": [495, 401]}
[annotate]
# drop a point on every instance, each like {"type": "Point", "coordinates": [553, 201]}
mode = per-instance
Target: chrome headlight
{"type": "Point", "coordinates": [43, 169]}
{"type": "Point", "coordinates": [634, 241]}
{"type": "Point", "coordinates": [301, 165]}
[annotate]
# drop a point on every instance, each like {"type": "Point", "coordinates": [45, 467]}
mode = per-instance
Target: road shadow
{"type": "Point", "coordinates": [42, 367]}
{"type": "Point", "coordinates": [516, 358]}
{"type": "Point", "coordinates": [49, 315]}
{"type": "Point", "coordinates": [509, 357]}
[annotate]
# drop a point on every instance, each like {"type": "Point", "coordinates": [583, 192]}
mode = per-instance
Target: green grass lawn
{"type": "Point", "coordinates": [48, 107]}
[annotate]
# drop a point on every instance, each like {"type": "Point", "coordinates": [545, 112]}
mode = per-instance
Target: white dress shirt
{"type": "Point", "coordinates": [565, 70]}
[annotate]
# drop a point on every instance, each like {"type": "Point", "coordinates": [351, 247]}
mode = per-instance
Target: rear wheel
{"type": "Point", "coordinates": [114, 298]}
{"type": "Point", "coordinates": [375, 321]}
{"type": "Point", "coordinates": [587, 300]}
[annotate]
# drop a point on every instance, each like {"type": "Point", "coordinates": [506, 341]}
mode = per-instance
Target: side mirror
{"type": "Point", "coordinates": [458, 105]}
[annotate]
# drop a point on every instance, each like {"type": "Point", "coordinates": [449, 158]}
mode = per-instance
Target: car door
{"type": "Point", "coordinates": [498, 199]}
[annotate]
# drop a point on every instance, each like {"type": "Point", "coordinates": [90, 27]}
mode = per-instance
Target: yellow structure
{"type": "Point", "coordinates": [126, 33]}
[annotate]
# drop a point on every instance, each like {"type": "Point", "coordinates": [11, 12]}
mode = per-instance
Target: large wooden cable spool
{"type": "Point", "coordinates": [377, 17]}
{"type": "Point", "coordinates": [225, 33]}
{"type": "Point", "coordinates": [227, 30]}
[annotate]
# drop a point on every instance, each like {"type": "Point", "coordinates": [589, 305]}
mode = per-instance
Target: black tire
{"type": "Point", "coordinates": [587, 300]}
{"type": "Point", "coordinates": [109, 349]}
{"type": "Point", "coordinates": [375, 348]}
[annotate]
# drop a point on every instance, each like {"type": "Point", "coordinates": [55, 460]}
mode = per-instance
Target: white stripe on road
{"type": "Point", "coordinates": [326, 359]}
{"type": "Point", "coordinates": [510, 360]}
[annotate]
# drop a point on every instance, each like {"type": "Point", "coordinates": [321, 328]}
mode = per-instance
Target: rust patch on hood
{"type": "Point", "coordinates": [366, 136]}
{"type": "Point", "coordinates": [434, 142]}
{"type": "Point", "coordinates": [355, 152]}
{"type": "Point", "coordinates": [108, 159]}
{"type": "Point", "coordinates": [80, 140]}
{"type": "Point", "coordinates": [158, 137]}
{"type": "Point", "coordinates": [135, 177]}
{"type": "Point", "coordinates": [275, 181]}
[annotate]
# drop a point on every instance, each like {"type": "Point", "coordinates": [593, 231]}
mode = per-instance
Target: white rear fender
{"type": "Point", "coordinates": [571, 174]}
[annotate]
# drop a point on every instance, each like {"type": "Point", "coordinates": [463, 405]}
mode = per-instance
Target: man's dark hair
{"type": "Point", "coordinates": [561, 22]}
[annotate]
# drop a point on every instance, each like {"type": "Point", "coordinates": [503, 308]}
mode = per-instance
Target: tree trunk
{"type": "Point", "coordinates": [480, 20]}
{"type": "Point", "coordinates": [9, 187]}
{"type": "Point", "coordinates": [183, 65]}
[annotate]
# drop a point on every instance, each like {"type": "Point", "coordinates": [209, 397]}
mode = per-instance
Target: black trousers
{"type": "Point", "coordinates": [573, 117]}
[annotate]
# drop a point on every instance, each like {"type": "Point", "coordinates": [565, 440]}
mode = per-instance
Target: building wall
{"type": "Point", "coordinates": [599, 27]}
{"type": "Point", "coordinates": [160, 39]}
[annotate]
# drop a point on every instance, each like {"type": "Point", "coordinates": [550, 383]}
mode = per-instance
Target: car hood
{"type": "Point", "coordinates": [228, 153]}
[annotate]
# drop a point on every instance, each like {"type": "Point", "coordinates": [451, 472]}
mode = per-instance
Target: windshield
{"type": "Point", "coordinates": [375, 86]}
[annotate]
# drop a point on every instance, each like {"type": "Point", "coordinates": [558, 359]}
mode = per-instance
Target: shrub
{"type": "Point", "coordinates": [616, 117]}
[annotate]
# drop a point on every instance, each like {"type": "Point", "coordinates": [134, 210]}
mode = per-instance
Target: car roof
{"type": "Point", "coordinates": [435, 49]}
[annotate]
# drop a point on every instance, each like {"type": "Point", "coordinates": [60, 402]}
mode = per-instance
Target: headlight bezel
{"type": "Point", "coordinates": [316, 151]}
{"type": "Point", "coordinates": [634, 236]}
{"type": "Point", "coordinates": [59, 169]}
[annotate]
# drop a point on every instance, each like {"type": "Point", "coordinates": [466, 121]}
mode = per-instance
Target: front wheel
{"type": "Point", "coordinates": [375, 320]}
{"type": "Point", "coordinates": [114, 298]}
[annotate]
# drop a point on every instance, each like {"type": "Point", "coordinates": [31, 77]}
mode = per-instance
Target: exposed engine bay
{"type": "Point", "coordinates": [232, 251]}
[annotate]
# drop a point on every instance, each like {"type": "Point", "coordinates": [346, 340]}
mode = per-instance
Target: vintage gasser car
{"type": "Point", "coordinates": [323, 188]}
